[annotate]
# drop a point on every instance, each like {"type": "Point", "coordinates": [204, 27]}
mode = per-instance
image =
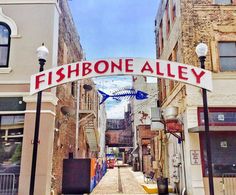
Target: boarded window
{"type": "Point", "coordinates": [227, 52]}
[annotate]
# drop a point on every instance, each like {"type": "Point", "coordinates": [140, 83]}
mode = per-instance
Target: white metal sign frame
{"type": "Point", "coordinates": [121, 66]}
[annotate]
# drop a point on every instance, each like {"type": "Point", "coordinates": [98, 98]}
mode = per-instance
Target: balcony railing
{"type": "Point", "coordinates": [229, 183]}
{"type": "Point", "coordinates": [8, 184]}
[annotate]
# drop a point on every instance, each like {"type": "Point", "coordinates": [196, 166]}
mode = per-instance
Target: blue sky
{"type": "Point", "coordinates": [115, 28]}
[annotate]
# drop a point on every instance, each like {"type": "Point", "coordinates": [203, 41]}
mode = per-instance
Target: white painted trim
{"type": "Point", "coordinates": [12, 112]}
{"type": "Point", "coordinates": [13, 94]}
{"type": "Point", "coordinates": [224, 75]}
{"type": "Point", "coordinates": [127, 66]}
{"type": "Point", "coordinates": [46, 97]}
{"type": "Point", "coordinates": [42, 111]}
{"type": "Point", "coordinates": [10, 22]}
{"type": "Point", "coordinates": [16, 36]}
{"type": "Point", "coordinates": [28, 111]}
{"type": "Point", "coordinates": [5, 70]}
{"type": "Point", "coordinates": [14, 82]}
{"type": "Point", "coordinates": [212, 128]}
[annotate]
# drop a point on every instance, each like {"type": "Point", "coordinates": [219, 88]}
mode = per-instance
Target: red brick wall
{"type": "Point", "coordinates": [69, 50]}
{"type": "Point", "coordinates": [145, 132]}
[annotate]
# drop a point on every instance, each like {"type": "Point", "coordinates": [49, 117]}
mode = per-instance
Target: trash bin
{"type": "Point", "coordinates": [162, 185]}
{"type": "Point", "coordinates": [135, 166]}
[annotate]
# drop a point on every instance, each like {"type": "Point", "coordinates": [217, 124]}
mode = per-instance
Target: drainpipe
{"type": "Point", "coordinates": [77, 121]}
{"type": "Point", "coordinates": [184, 191]}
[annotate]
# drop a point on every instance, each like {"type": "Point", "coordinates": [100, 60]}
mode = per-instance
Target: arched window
{"type": "Point", "coordinates": [5, 40]}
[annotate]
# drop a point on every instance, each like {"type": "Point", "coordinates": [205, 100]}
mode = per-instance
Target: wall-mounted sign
{"type": "Point", "coordinates": [223, 144]}
{"type": "Point", "coordinates": [121, 66]}
{"type": "Point", "coordinates": [195, 157]}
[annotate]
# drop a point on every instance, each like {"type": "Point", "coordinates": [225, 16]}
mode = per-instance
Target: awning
{"type": "Point", "coordinates": [211, 128]}
{"type": "Point", "coordinates": [145, 141]}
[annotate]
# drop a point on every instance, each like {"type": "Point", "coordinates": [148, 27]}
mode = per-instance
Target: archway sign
{"type": "Point", "coordinates": [121, 66]}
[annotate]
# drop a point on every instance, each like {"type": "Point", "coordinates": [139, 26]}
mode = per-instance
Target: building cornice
{"type": "Point", "coordinates": [214, 7]}
{"type": "Point", "coordinates": [47, 97]}
{"type": "Point", "coordinates": [27, 1]}
{"type": "Point", "coordinates": [13, 94]}
{"type": "Point", "coordinates": [18, 2]}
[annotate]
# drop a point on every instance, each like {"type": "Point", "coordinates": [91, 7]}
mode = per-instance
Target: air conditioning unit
{"type": "Point", "coordinates": [156, 119]}
{"type": "Point", "coordinates": [156, 126]}
{"type": "Point", "coordinates": [155, 114]}
{"type": "Point", "coordinates": [170, 113]}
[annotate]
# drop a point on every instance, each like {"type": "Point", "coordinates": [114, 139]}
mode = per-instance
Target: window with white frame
{"type": "Point", "coordinates": [227, 54]}
{"type": "Point", "coordinates": [223, 2]}
{"type": "Point", "coordinates": [5, 39]}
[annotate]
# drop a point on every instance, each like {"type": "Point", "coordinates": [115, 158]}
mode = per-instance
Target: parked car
{"type": "Point", "coordinates": [110, 161]}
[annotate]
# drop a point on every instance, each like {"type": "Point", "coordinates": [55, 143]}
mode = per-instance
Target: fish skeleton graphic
{"type": "Point", "coordinates": [124, 93]}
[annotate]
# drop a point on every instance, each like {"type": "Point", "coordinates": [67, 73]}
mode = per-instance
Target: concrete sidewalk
{"type": "Point", "coordinates": [118, 181]}
{"type": "Point", "coordinates": [150, 188]}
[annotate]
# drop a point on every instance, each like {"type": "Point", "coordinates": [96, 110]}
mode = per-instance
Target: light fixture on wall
{"type": "Point", "coordinates": [87, 87]}
{"type": "Point", "coordinates": [68, 111]}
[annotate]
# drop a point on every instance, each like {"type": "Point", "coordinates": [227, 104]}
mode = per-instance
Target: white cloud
{"type": "Point", "coordinates": [116, 111]}
{"type": "Point", "coordinates": [111, 84]}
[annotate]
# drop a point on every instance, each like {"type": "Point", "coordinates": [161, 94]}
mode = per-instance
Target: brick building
{"type": "Point", "coordinates": [118, 134]}
{"type": "Point", "coordinates": [179, 27]}
{"type": "Point", "coordinates": [141, 120]}
{"type": "Point", "coordinates": [67, 125]}
{"type": "Point", "coordinates": [145, 139]}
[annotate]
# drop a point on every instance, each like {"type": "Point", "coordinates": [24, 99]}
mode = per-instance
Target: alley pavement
{"type": "Point", "coordinates": [119, 181]}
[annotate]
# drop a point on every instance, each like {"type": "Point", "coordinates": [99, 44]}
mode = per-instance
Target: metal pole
{"type": "Point", "coordinates": [36, 135]}
{"type": "Point", "coordinates": [207, 133]}
{"type": "Point", "coordinates": [77, 121]}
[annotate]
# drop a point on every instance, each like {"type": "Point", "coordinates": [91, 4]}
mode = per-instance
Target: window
{"type": "Point", "coordinates": [11, 138]}
{"type": "Point", "coordinates": [175, 58]}
{"type": "Point", "coordinates": [223, 146]}
{"type": "Point", "coordinates": [171, 83]}
{"type": "Point", "coordinates": [223, 2]}
{"type": "Point", "coordinates": [167, 19]}
{"type": "Point", "coordinates": [173, 13]}
{"type": "Point", "coordinates": [73, 89]}
{"type": "Point", "coordinates": [227, 53]}
{"type": "Point", "coordinates": [5, 33]}
{"type": "Point", "coordinates": [161, 41]}
{"type": "Point", "coordinates": [219, 117]}
{"type": "Point", "coordinates": [163, 89]}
